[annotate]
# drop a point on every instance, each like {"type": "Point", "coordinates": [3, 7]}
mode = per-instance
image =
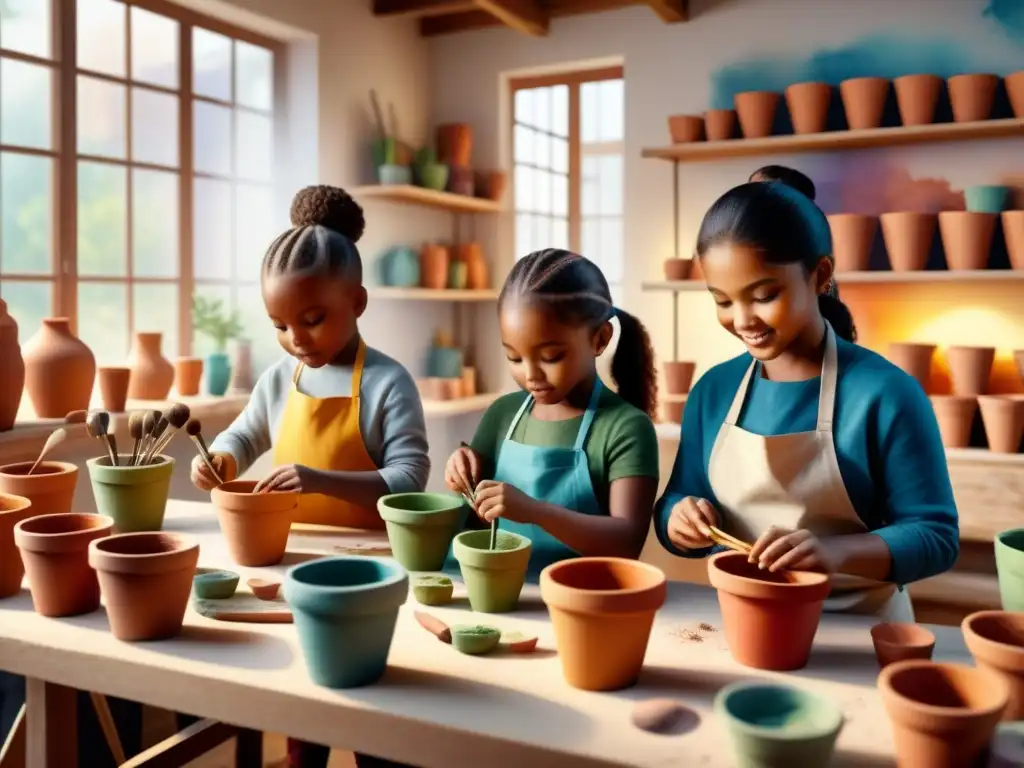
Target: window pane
{"type": "Point", "coordinates": [523, 107]}
{"type": "Point", "coordinates": [524, 234]}
{"type": "Point", "coordinates": [201, 343]}
{"type": "Point", "coordinates": [28, 303]}
{"type": "Point", "coordinates": [211, 64]}
{"type": "Point", "coordinates": [154, 127]}
{"type": "Point", "coordinates": [524, 188]}
{"type": "Point", "coordinates": [155, 306]}
{"type": "Point", "coordinates": [101, 121]}
{"type": "Point", "coordinates": [255, 146]}
{"type": "Point", "coordinates": [25, 27]}
{"type": "Point", "coordinates": [101, 36]}
{"type": "Point", "coordinates": [26, 198]}
{"type": "Point", "coordinates": [588, 198]}
{"type": "Point", "coordinates": [256, 227]}
{"type": "Point", "coordinates": [24, 104]}
{"type": "Point", "coordinates": [612, 108]}
{"type": "Point", "coordinates": [589, 112]}
{"type": "Point", "coordinates": [253, 315]}
{"type": "Point", "coordinates": [523, 140]}
{"type": "Point", "coordinates": [541, 232]}
{"type": "Point", "coordinates": [103, 320]}
{"type": "Point", "coordinates": [560, 195]}
{"type": "Point", "coordinates": [611, 249]}
{"type": "Point", "coordinates": [155, 250]}
{"type": "Point", "coordinates": [102, 220]}
{"type": "Point", "coordinates": [542, 191]}
{"type": "Point", "coordinates": [560, 233]}
{"type": "Point", "coordinates": [154, 48]}
{"type": "Point", "coordinates": [611, 184]}
{"type": "Point", "coordinates": [560, 155]}
{"type": "Point", "coordinates": [560, 110]}
{"type": "Point", "coordinates": [211, 249]}
{"type": "Point", "coordinates": [591, 245]}
{"type": "Point", "coordinates": [542, 108]}
{"type": "Point", "coordinates": [254, 76]}
{"type": "Point", "coordinates": [542, 147]}
{"type": "Point", "coordinates": [211, 136]}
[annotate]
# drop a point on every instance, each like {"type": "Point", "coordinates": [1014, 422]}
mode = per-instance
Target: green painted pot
{"type": "Point", "coordinates": [135, 497]}
{"type": "Point", "coordinates": [432, 590]}
{"type": "Point", "coordinates": [1009, 547]}
{"type": "Point", "coordinates": [420, 527]}
{"type": "Point", "coordinates": [494, 578]}
{"type": "Point", "coordinates": [771, 724]}
{"type": "Point", "coordinates": [214, 584]}
{"type": "Point", "coordinates": [475, 639]}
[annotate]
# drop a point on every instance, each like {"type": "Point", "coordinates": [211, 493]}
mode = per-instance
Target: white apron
{"type": "Point", "coordinates": [793, 481]}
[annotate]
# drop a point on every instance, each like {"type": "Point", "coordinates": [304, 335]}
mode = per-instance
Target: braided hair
{"type": "Point", "coordinates": [576, 291]}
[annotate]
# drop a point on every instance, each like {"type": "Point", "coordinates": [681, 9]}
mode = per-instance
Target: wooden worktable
{"type": "Point", "coordinates": [435, 707]}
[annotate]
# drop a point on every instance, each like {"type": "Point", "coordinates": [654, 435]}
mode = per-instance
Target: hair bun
{"type": "Point", "coordinates": [330, 207]}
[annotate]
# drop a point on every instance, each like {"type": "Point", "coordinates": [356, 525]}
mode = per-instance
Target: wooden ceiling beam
{"type": "Point", "coordinates": [433, 26]}
{"type": "Point", "coordinates": [670, 11]}
{"type": "Point", "coordinates": [524, 16]}
{"type": "Point", "coordinates": [420, 8]}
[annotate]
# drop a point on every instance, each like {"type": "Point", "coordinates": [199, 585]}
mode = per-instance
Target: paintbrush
{"type": "Point", "coordinates": [177, 416]}
{"type": "Point", "coordinates": [195, 431]}
{"type": "Point", "coordinates": [158, 432]}
{"type": "Point", "coordinates": [56, 438]}
{"type": "Point", "coordinates": [149, 422]}
{"type": "Point", "coordinates": [98, 422]}
{"type": "Point", "coordinates": [135, 429]}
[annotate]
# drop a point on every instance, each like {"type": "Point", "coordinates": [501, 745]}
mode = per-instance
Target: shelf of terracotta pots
{"type": "Point", "coordinates": [439, 271]}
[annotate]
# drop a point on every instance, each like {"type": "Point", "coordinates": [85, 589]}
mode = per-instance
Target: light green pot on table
{"type": "Point", "coordinates": [135, 497]}
{"type": "Point", "coordinates": [421, 526]}
{"type": "Point", "coordinates": [494, 577]}
{"type": "Point", "coordinates": [1009, 548]}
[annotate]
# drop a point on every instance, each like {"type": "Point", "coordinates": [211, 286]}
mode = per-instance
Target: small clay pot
{"type": "Point", "coordinates": [987, 198]}
{"type": "Point", "coordinates": [135, 497]}
{"type": "Point", "coordinates": [908, 238]}
{"type": "Point", "coordinates": [972, 96]}
{"type": "Point", "coordinates": [679, 376]}
{"type": "Point", "coordinates": [970, 369]}
{"type": "Point", "coordinates": [602, 610]}
{"type": "Point", "coordinates": [55, 551]}
{"type": "Point", "coordinates": [491, 185]}
{"type": "Point", "coordinates": [897, 641]}
{"type": "Point", "coordinates": [864, 101]}
{"type": "Point", "coordinates": [914, 359]}
{"type": "Point", "coordinates": [494, 578]}
{"type": "Point", "coordinates": [1015, 91]}
{"type": "Point", "coordinates": [686, 128]}
{"type": "Point", "coordinates": [475, 639]}
{"type": "Point", "coordinates": [433, 590]}
{"type": "Point", "coordinates": [1013, 233]}
{"type": "Point", "coordinates": [255, 525]}
{"type": "Point", "coordinates": [517, 642]}
{"type": "Point", "coordinates": [434, 261]}
{"type": "Point", "coordinates": [967, 238]}
{"type": "Point", "coordinates": [1003, 416]}
{"type": "Point", "coordinates": [756, 112]}
{"type": "Point", "coordinates": [1009, 555]}
{"type": "Point", "coordinates": [785, 607]}
{"type": "Point", "coordinates": [808, 106]}
{"type": "Point", "coordinates": [13, 509]}
{"type": "Point", "coordinates": [942, 715]}
{"type": "Point", "coordinates": [996, 641]}
{"type": "Point", "coordinates": [720, 124]}
{"type": "Point", "coordinates": [916, 98]}
{"type": "Point", "coordinates": [113, 384]}
{"type": "Point", "coordinates": [145, 579]}
{"type": "Point", "coordinates": [955, 415]}
{"type": "Point", "coordinates": [455, 143]}
{"type": "Point", "coordinates": [468, 381]}
{"type": "Point", "coordinates": [853, 234]}
{"type": "Point", "coordinates": [214, 583]}
{"type": "Point", "coordinates": [461, 180]}
{"type": "Point", "coordinates": [678, 269]}
{"type": "Point", "coordinates": [188, 371]}
{"type": "Point", "coordinates": [263, 588]}
{"type": "Point", "coordinates": [672, 411]}
{"type": "Point", "coordinates": [51, 488]}
{"type": "Point", "coordinates": [421, 526]}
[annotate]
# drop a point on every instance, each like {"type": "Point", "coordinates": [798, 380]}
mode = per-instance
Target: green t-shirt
{"type": "Point", "coordinates": [621, 443]}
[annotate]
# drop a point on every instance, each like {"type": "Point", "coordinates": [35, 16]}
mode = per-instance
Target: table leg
{"type": "Point", "coordinates": [52, 718]}
{"type": "Point", "coordinates": [12, 753]}
{"type": "Point", "coordinates": [248, 749]}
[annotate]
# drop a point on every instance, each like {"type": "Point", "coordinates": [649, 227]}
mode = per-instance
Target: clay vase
{"type": "Point", "coordinates": [55, 551]}
{"type": "Point", "coordinates": [1009, 553]}
{"type": "Point", "coordinates": [1013, 233]}
{"type": "Point", "coordinates": [13, 509]}
{"type": "Point", "coordinates": [602, 610]}
{"type": "Point", "coordinates": [255, 525]}
{"type": "Point", "coordinates": [59, 370]}
{"type": "Point", "coordinates": [12, 370]}
{"type": "Point", "coordinates": [187, 373]}
{"type": "Point", "coordinates": [808, 106]}
{"type": "Point", "coordinates": [756, 112]}
{"type": "Point", "coordinates": [853, 234]}
{"type": "Point", "coordinates": [864, 101]}
{"type": "Point", "coordinates": [145, 580]}
{"type": "Point", "coordinates": [972, 96]}
{"type": "Point", "coordinates": [996, 641]}
{"type": "Point", "coordinates": [152, 375]}
{"type": "Point", "coordinates": [908, 238]}
{"type": "Point", "coordinates": [494, 578]}
{"type": "Point", "coordinates": [773, 724]}
{"type": "Point", "coordinates": [421, 526]}
{"type": "Point", "coordinates": [914, 359]}
{"type": "Point", "coordinates": [491, 184]}
{"type": "Point", "coordinates": [135, 498]}
{"type": "Point", "coordinates": [942, 715]}
{"type": "Point", "coordinates": [720, 124]}
{"type": "Point", "coordinates": [898, 641]}
{"type": "Point", "coordinates": [677, 269]}
{"type": "Point", "coordinates": [454, 144]}
{"type": "Point", "coordinates": [434, 266]}
{"type": "Point", "coordinates": [769, 618]}
{"type": "Point", "coordinates": [51, 488]}
{"type": "Point", "coordinates": [1003, 416]}
{"type": "Point", "coordinates": [916, 98]}
{"type": "Point", "coordinates": [955, 415]}
{"type": "Point", "coordinates": [472, 255]}
{"type": "Point", "coordinates": [967, 238]}
{"type": "Point", "coordinates": [242, 377]}
{"type": "Point", "coordinates": [113, 383]}
{"type": "Point", "coordinates": [345, 612]}
{"type": "Point", "coordinates": [684, 129]}
{"type": "Point", "coordinates": [970, 369]}
{"type": "Point", "coordinates": [1015, 91]}
{"type": "Point", "coordinates": [679, 376]}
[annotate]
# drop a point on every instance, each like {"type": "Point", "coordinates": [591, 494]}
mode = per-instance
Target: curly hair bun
{"type": "Point", "coordinates": [330, 207]}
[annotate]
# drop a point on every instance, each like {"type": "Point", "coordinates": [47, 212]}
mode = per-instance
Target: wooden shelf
{"type": "Point", "coordinates": [830, 141]}
{"type": "Point", "coordinates": [874, 276]}
{"type": "Point", "coordinates": [462, 405]}
{"type": "Point", "coordinates": [429, 294]}
{"type": "Point", "coordinates": [406, 193]}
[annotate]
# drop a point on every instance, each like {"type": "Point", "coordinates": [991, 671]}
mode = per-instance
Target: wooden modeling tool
{"type": "Point", "coordinates": [177, 416]}
{"type": "Point", "coordinates": [135, 429]}
{"type": "Point", "coordinates": [98, 422]}
{"type": "Point", "coordinates": [194, 429]}
{"type": "Point", "coordinates": [730, 542]}
{"type": "Point", "coordinates": [56, 438]}
{"type": "Point", "coordinates": [434, 626]}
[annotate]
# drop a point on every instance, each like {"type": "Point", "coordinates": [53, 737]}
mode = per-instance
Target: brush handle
{"type": "Point", "coordinates": [135, 452]}
{"type": "Point", "coordinates": [162, 442]}
{"type": "Point", "coordinates": [153, 445]}
{"type": "Point", "coordinates": [494, 533]}
{"type": "Point", "coordinates": [204, 454]}
{"type": "Point", "coordinates": [111, 449]}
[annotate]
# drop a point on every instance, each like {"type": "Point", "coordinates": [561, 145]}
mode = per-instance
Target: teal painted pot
{"type": "Point", "coordinates": [218, 373]}
{"type": "Point", "coordinates": [987, 198]}
{"type": "Point", "coordinates": [444, 362]}
{"type": "Point", "coordinates": [345, 610]}
{"type": "Point", "coordinates": [394, 175]}
{"type": "Point", "coordinates": [135, 497]}
{"type": "Point", "coordinates": [1009, 548]}
{"type": "Point", "coordinates": [771, 724]}
{"type": "Point", "coordinates": [494, 577]}
{"type": "Point", "coordinates": [401, 267]}
{"type": "Point", "coordinates": [421, 526]}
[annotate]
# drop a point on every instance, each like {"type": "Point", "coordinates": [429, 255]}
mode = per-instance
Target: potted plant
{"type": "Point", "coordinates": [209, 318]}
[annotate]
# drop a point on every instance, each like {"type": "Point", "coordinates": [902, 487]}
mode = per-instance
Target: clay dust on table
{"type": "Point", "coordinates": [693, 635]}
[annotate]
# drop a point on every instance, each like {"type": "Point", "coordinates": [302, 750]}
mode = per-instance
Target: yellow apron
{"type": "Point", "coordinates": [323, 433]}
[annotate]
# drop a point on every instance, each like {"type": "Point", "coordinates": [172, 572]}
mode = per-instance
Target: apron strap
{"type": "Point", "coordinates": [527, 402]}
{"type": "Point", "coordinates": [588, 416]}
{"type": "Point", "coordinates": [357, 369]}
{"type": "Point", "coordinates": [829, 380]}
{"type": "Point", "coordinates": [741, 394]}
{"type": "Point", "coordinates": [297, 373]}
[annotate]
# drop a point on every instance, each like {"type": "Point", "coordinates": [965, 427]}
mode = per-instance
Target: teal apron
{"type": "Point", "coordinates": [558, 476]}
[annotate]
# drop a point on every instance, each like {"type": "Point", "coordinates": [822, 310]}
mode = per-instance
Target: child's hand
{"type": "Point", "coordinates": [494, 499]}
{"type": "Point", "coordinates": [202, 477]}
{"type": "Point", "coordinates": [463, 471]}
{"type": "Point", "coordinates": [689, 521]}
{"type": "Point", "coordinates": [290, 477]}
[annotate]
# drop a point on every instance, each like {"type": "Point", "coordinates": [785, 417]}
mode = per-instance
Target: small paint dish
{"type": "Point", "coordinates": [264, 589]}
{"type": "Point", "coordinates": [518, 642]}
{"type": "Point", "coordinates": [475, 639]}
{"type": "Point", "coordinates": [214, 584]}
{"type": "Point", "coordinates": [432, 590]}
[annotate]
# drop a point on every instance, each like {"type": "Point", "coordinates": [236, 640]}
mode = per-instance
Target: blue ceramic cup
{"type": "Point", "coordinates": [345, 610]}
{"type": "Point", "coordinates": [986, 198]}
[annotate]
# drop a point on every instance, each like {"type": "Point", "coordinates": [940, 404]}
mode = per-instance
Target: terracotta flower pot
{"type": "Point", "coordinates": [996, 641]}
{"type": "Point", "coordinates": [1003, 416]}
{"type": "Point", "coordinates": [113, 383]}
{"type": "Point", "coordinates": [59, 370]}
{"type": "Point", "coordinates": [972, 96]}
{"type": "Point", "coordinates": [756, 112]}
{"type": "Point", "coordinates": [864, 101]}
{"type": "Point", "coordinates": [686, 128]}
{"type": "Point", "coordinates": [955, 415]}
{"type": "Point", "coordinates": [602, 610]}
{"type": "Point", "coordinates": [908, 238]}
{"type": "Point", "coordinates": [967, 238]}
{"type": "Point", "coordinates": [853, 234]}
{"type": "Point", "coordinates": [421, 526]}
{"type": "Point", "coordinates": [461, 180]}
{"type": "Point", "coordinates": [1015, 91]}
{"type": "Point", "coordinates": [808, 106]}
{"type": "Point", "coordinates": [672, 411]}
{"type": "Point", "coordinates": [942, 715]}
{"type": "Point", "coordinates": [434, 261]}
{"type": "Point", "coordinates": [914, 359]}
{"type": "Point", "coordinates": [152, 375]}
{"type": "Point", "coordinates": [677, 269]}
{"type": "Point", "coordinates": [720, 124]}
{"type": "Point", "coordinates": [491, 184]}
{"type": "Point", "coordinates": [455, 144]}
{"type": "Point", "coordinates": [916, 98]}
{"type": "Point", "coordinates": [494, 578]}
{"type": "Point", "coordinates": [51, 488]}
{"type": "Point", "coordinates": [970, 369]}
{"type": "Point", "coordinates": [1013, 233]}
{"type": "Point", "coordinates": [472, 255]}
{"type": "Point", "coordinates": [899, 641]}
{"type": "Point", "coordinates": [12, 370]}
{"type": "Point", "coordinates": [145, 580]}
{"type": "Point", "coordinates": [187, 373]}
{"type": "Point", "coordinates": [1009, 555]}
{"type": "Point", "coordinates": [255, 525]}
{"type": "Point", "coordinates": [769, 618]}
{"type": "Point", "coordinates": [679, 376]}
{"type": "Point", "coordinates": [55, 551]}
{"type": "Point", "coordinates": [13, 509]}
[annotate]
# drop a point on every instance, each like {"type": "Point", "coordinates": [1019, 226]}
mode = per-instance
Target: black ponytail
{"type": "Point", "coordinates": [633, 364]}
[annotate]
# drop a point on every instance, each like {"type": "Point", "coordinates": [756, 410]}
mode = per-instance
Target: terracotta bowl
{"type": "Point", "coordinates": [897, 641]}
{"type": "Point", "coordinates": [255, 525]}
{"type": "Point", "coordinates": [996, 641]}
